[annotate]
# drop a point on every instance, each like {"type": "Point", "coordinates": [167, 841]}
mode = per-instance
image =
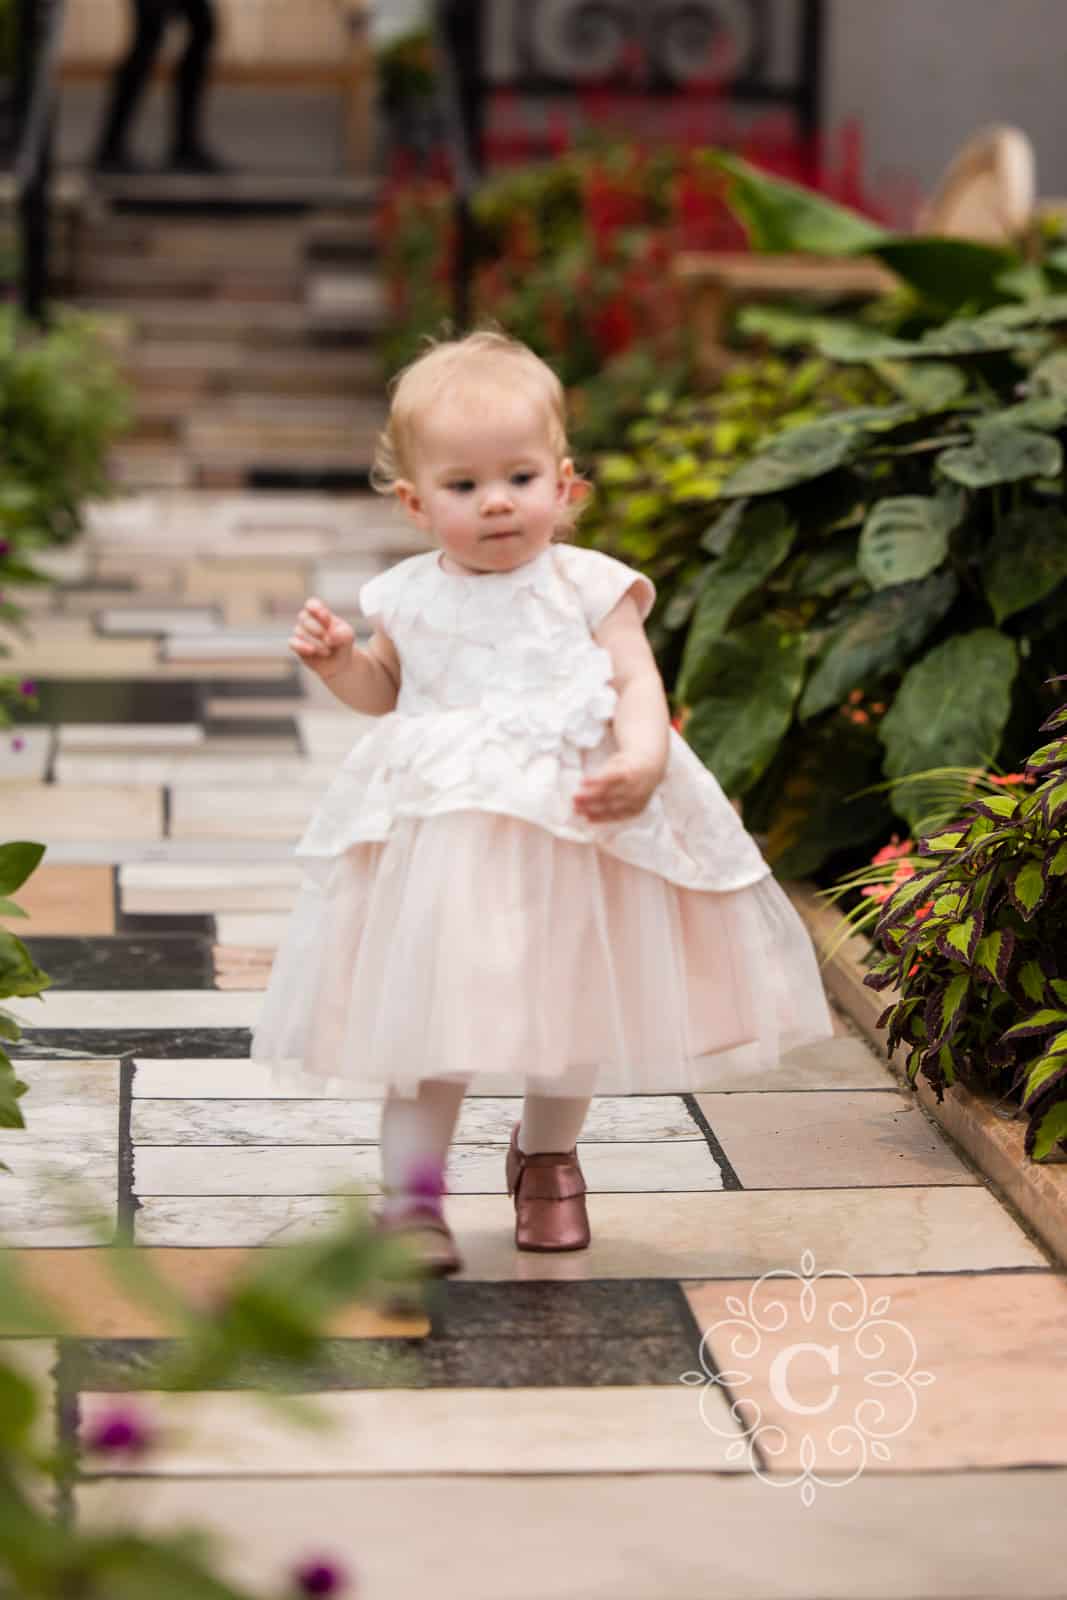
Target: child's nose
{"type": "Point", "coordinates": [496, 498]}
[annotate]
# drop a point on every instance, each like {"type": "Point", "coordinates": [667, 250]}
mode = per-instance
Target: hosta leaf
{"type": "Point", "coordinates": [1042, 1021]}
{"type": "Point", "coordinates": [783, 216]}
{"type": "Point", "coordinates": [1002, 455]}
{"type": "Point", "coordinates": [877, 637]}
{"type": "Point", "coordinates": [830, 567]}
{"type": "Point", "coordinates": [992, 956]}
{"type": "Point", "coordinates": [1027, 559]}
{"type": "Point", "coordinates": [759, 545]}
{"type": "Point", "coordinates": [796, 456]}
{"type": "Point", "coordinates": [905, 537]}
{"type": "Point", "coordinates": [1028, 887]}
{"type": "Point", "coordinates": [1050, 374]}
{"type": "Point", "coordinates": [1047, 1132]}
{"type": "Point", "coordinates": [944, 1010]}
{"type": "Point", "coordinates": [757, 672]}
{"type": "Point", "coordinates": [950, 710]}
{"type": "Point", "coordinates": [973, 336]}
{"type": "Point", "coordinates": [960, 939]}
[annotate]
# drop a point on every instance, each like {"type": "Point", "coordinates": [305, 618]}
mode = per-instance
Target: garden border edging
{"type": "Point", "coordinates": [995, 1144]}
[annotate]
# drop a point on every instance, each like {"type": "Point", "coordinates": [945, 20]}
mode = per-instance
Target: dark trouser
{"type": "Point", "coordinates": [133, 71]}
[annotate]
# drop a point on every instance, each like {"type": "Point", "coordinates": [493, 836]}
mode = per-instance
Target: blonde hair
{"type": "Point", "coordinates": [488, 355]}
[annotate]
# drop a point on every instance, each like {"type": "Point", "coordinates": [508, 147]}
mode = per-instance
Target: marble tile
{"type": "Point", "coordinates": [251, 928]}
{"type": "Point", "coordinates": [83, 1286]}
{"type": "Point", "coordinates": [844, 1062]}
{"type": "Point", "coordinates": [66, 1100]}
{"type": "Point", "coordinates": [24, 756]}
{"type": "Point", "coordinates": [177, 1043]}
{"type": "Point", "coordinates": [73, 812]}
{"type": "Point", "coordinates": [339, 581]}
{"type": "Point", "coordinates": [64, 1164]}
{"type": "Point", "coordinates": [196, 769]}
{"type": "Point", "coordinates": [278, 705]}
{"type": "Point", "coordinates": [371, 1433]}
{"type": "Point", "coordinates": [117, 701]}
{"type": "Point", "coordinates": [172, 852]}
{"type": "Point", "coordinates": [226, 644]}
{"type": "Point", "coordinates": [686, 1535]}
{"type": "Point", "coordinates": [138, 1008]}
{"type": "Point", "coordinates": [182, 886]}
{"type": "Point", "coordinates": [726, 1234]}
{"type": "Point", "coordinates": [62, 899]}
{"type": "Point", "coordinates": [165, 961]}
{"type": "Point", "coordinates": [140, 621]}
{"type": "Point", "coordinates": [796, 1140]}
{"type": "Point", "coordinates": [233, 1169]}
{"type": "Point", "coordinates": [69, 563]}
{"type": "Point", "coordinates": [229, 811]}
{"type": "Point", "coordinates": [81, 736]}
{"type": "Point", "coordinates": [213, 1102]}
{"type": "Point", "coordinates": [993, 1344]}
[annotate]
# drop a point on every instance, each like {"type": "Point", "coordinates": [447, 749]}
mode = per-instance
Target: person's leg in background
{"type": "Point", "coordinates": [127, 86]}
{"type": "Point", "coordinates": [188, 150]}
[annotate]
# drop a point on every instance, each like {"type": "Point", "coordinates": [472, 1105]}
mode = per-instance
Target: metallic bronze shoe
{"type": "Point", "coordinates": [549, 1192]}
{"type": "Point", "coordinates": [429, 1234]}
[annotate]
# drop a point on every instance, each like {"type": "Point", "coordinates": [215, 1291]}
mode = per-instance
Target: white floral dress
{"type": "Point", "coordinates": [460, 919]}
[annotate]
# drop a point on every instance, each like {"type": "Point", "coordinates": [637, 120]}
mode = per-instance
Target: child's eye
{"type": "Point", "coordinates": [462, 485]}
{"type": "Point", "coordinates": [523, 477]}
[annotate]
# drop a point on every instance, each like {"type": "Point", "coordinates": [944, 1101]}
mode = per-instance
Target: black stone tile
{"type": "Point", "coordinates": [120, 1365]}
{"type": "Point", "coordinates": [330, 480]}
{"type": "Point", "coordinates": [158, 1044]}
{"type": "Point", "coordinates": [252, 728]}
{"type": "Point", "coordinates": [126, 961]}
{"type": "Point", "coordinates": [197, 922]}
{"type": "Point", "coordinates": [627, 1308]}
{"type": "Point", "coordinates": [116, 700]}
{"type": "Point", "coordinates": [253, 688]}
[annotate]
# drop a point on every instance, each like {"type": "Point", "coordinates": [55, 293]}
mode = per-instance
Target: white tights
{"type": "Point", "coordinates": [416, 1133]}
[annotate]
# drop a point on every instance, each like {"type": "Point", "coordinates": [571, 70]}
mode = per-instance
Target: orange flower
{"type": "Point", "coordinates": [860, 716]}
{"type": "Point", "coordinates": [1010, 777]}
{"type": "Point", "coordinates": [878, 891]}
{"type": "Point", "coordinates": [855, 697]}
{"type": "Point", "coordinates": [922, 912]}
{"type": "Point", "coordinates": [894, 848]}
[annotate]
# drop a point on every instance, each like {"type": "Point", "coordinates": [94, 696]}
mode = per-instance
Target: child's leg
{"type": "Point", "coordinates": [550, 1123]}
{"type": "Point", "coordinates": [415, 1135]}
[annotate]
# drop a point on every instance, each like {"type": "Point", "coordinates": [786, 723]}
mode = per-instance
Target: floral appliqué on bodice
{"type": "Point", "coordinates": [506, 700]}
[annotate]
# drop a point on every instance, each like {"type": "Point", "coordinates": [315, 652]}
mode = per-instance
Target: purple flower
{"type": "Point", "coordinates": [27, 687]}
{"type": "Point", "coordinates": [4, 547]}
{"type": "Point", "coordinates": [119, 1431]}
{"type": "Point", "coordinates": [18, 742]}
{"type": "Point", "coordinates": [426, 1180]}
{"type": "Point", "coordinates": [320, 1577]}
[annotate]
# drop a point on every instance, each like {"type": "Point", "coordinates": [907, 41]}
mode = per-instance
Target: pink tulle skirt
{"type": "Point", "coordinates": [480, 947]}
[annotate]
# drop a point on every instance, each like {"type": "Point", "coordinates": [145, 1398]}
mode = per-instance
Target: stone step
{"type": "Point", "coordinates": [213, 242]}
{"type": "Point", "coordinates": [222, 441]}
{"type": "Point", "coordinates": [236, 192]}
{"type": "Point", "coordinates": [227, 368]}
{"type": "Point", "coordinates": [146, 465]}
{"type": "Point", "coordinates": [135, 278]}
{"type": "Point", "coordinates": [247, 320]}
{"type": "Point", "coordinates": [339, 301]}
{"type": "Point", "coordinates": [334, 237]}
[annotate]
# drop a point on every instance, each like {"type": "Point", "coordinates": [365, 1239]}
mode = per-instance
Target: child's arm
{"type": "Point", "coordinates": [642, 721]}
{"type": "Point", "coordinates": [367, 680]}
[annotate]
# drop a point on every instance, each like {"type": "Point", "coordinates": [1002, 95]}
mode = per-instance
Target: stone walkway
{"type": "Point", "coordinates": [533, 1438]}
{"type": "Point", "coordinates": [539, 1440]}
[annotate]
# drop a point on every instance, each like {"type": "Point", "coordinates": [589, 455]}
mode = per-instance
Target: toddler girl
{"type": "Point", "coordinates": [522, 878]}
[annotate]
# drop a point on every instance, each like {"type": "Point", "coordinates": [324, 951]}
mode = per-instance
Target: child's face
{"type": "Point", "coordinates": [489, 490]}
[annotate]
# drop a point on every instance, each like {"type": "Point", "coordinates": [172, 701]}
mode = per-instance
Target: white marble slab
{"type": "Point", "coordinates": [198, 770]}
{"type": "Point", "coordinates": [200, 852]}
{"type": "Point", "coordinates": [635, 1428]}
{"type": "Point", "coordinates": [230, 811]}
{"type": "Point", "coordinates": [70, 563]}
{"type": "Point", "coordinates": [729, 1233]}
{"type": "Point", "coordinates": [250, 930]}
{"type": "Point", "coordinates": [83, 736]}
{"type": "Point", "coordinates": [181, 886]}
{"type": "Point", "coordinates": [66, 1100]}
{"type": "Point", "coordinates": [24, 754]}
{"type": "Point", "coordinates": [227, 644]}
{"type": "Point", "coordinates": [139, 1008]}
{"type": "Point", "coordinates": [640, 1536]}
{"type": "Point", "coordinates": [355, 1168]}
{"type": "Point", "coordinates": [217, 1119]}
{"type": "Point", "coordinates": [135, 622]}
{"type": "Point", "coordinates": [64, 1163]}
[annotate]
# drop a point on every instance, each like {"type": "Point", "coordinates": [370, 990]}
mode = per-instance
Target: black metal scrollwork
{"type": "Point", "coordinates": [655, 45]}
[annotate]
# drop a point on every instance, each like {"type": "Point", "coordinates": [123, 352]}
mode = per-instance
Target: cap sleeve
{"type": "Point", "coordinates": [374, 600]}
{"type": "Point", "coordinates": [602, 580]}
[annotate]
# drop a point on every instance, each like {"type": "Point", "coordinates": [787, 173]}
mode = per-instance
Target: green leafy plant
{"type": "Point", "coordinates": [19, 974]}
{"type": "Point", "coordinates": [974, 942]}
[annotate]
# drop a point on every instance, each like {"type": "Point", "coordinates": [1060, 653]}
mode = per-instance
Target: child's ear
{"type": "Point", "coordinates": [572, 489]}
{"type": "Point", "coordinates": [412, 504]}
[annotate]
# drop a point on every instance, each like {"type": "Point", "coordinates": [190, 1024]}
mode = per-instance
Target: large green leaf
{"type": "Point", "coordinates": [757, 673]}
{"type": "Point", "coordinates": [1002, 453]}
{"type": "Point", "coordinates": [928, 387]}
{"type": "Point", "coordinates": [17, 861]}
{"type": "Point", "coordinates": [949, 711]}
{"type": "Point", "coordinates": [877, 637]}
{"type": "Point", "coordinates": [1050, 375]}
{"type": "Point", "coordinates": [796, 456]}
{"type": "Point", "coordinates": [819, 808]}
{"type": "Point", "coordinates": [906, 536]}
{"type": "Point", "coordinates": [952, 273]}
{"type": "Point", "coordinates": [758, 545]}
{"type": "Point", "coordinates": [783, 216]}
{"type": "Point", "coordinates": [1027, 559]}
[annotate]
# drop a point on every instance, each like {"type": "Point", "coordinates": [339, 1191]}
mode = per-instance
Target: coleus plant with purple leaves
{"type": "Point", "coordinates": [975, 943]}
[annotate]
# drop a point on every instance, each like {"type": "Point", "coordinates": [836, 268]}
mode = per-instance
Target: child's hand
{"type": "Point", "coordinates": [322, 640]}
{"type": "Point", "coordinates": [621, 788]}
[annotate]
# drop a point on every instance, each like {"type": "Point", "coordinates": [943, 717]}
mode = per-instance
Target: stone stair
{"type": "Point", "coordinates": [248, 337]}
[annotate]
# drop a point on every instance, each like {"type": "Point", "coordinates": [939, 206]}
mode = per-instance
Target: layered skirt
{"type": "Point", "coordinates": [479, 947]}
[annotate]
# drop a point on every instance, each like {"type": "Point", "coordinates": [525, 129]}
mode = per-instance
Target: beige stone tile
{"type": "Point", "coordinates": [241, 968]}
{"type": "Point", "coordinates": [236, 812]}
{"type": "Point", "coordinates": [83, 654]}
{"type": "Point", "coordinates": [844, 1062]}
{"type": "Point", "coordinates": [643, 1536]}
{"type": "Point", "coordinates": [65, 900]}
{"type": "Point", "coordinates": [718, 1234]}
{"type": "Point", "coordinates": [993, 1344]}
{"type": "Point", "coordinates": [602, 1429]}
{"type": "Point", "coordinates": [84, 1290]}
{"type": "Point", "coordinates": [65, 811]}
{"type": "Point", "coordinates": [24, 754]}
{"type": "Point", "coordinates": [865, 1139]}
{"type": "Point", "coordinates": [174, 887]}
